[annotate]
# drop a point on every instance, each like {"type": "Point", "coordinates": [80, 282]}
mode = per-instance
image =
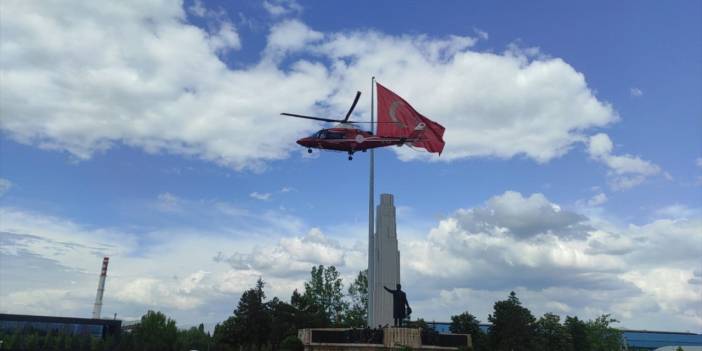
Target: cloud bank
{"type": "Point", "coordinates": [170, 92]}
{"type": "Point", "coordinates": [556, 259]}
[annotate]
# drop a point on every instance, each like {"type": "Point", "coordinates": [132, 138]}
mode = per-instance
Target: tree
{"type": "Point", "coordinates": [466, 323]}
{"type": "Point", "coordinates": [155, 332]}
{"type": "Point", "coordinates": [601, 335]}
{"type": "Point", "coordinates": [223, 336]}
{"type": "Point", "coordinates": [307, 313]}
{"type": "Point", "coordinates": [292, 343]}
{"type": "Point", "coordinates": [512, 326]}
{"type": "Point", "coordinates": [325, 289]}
{"type": "Point", "coordinates": [251, 319]}
{"type": "Point", "coordinates": [357, 314]}
{"type": "Point", "coordinates": [282, 322]}
{"type": "Point", "coordinates": [578, 333]}
{"type": "Point", "coordinates": [552, 335]}
{"type": "Point", "coordinates": [193, 338]}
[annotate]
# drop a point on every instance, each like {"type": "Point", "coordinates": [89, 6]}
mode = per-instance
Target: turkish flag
{"type": "Point", "coordinates": [397, 118]}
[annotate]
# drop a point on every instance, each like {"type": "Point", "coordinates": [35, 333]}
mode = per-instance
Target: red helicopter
{"type": "Point", "coordinates": [347, 137]}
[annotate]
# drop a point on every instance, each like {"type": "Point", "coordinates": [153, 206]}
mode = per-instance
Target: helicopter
{"type": "Point", "coordinates": [347, 137]}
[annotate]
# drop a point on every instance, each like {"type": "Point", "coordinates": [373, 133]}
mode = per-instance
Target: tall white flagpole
{"type": "Point", "coordinates": [371, 219]}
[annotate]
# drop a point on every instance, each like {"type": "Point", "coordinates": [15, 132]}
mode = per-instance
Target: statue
{"type": "Point", "coordinates": [399, 302]}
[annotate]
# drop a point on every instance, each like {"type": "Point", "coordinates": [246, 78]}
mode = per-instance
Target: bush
{"type": "Point", "coordinates": [291, 343]}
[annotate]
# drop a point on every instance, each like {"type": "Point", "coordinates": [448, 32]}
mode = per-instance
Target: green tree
{"type": "Point", "coordinates": [552, 335]}
{"type": "Point", "coordinates": [97, 344]}
{"type": "Point", "coordinates": [194, 338]}
{"type": "Point", "coordinates": [32, 342]}
{"type": "Point", "coordinates": [325, 289]}
{"type": "Point", "coordinates": [602, 336]}
{"type": "Point", "coordinates": [224, 337]}
{"type": "Point", "coordinates": [512, 326]}
{"type": "Point", "coordinates": [155, 332]}
{"type": "Point", "coordinates": [466, 323]}
{"type": "Point", "coordinates": [252, 322]}
{"type": "Point", "coordinates": [357, 314]}
{"type": "Point", "coordinates": [74, 343]}
{"type": "Point", "coordinates": [282, 322]}
{"type": "Point", "coordinates": [578, 333]}
{"type": "Point", "coordinates": [292, 343]}
{"type": "Point", "coordinates": [307, 313]}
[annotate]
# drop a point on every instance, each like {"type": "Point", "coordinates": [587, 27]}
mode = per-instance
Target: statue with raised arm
{"type": "Point", "coordinates": [400, 307]}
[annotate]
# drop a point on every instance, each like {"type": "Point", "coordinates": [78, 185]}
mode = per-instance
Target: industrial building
{"type": "Point", "coordinates": [95, 327]}
{"type": "Point", "coordinates": [635, 340]}
{"type": "Point", "coordinates": [27, 324]}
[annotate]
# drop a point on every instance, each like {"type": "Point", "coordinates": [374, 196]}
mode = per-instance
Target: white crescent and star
{"type": "Point", "coordinates": [393, 110]}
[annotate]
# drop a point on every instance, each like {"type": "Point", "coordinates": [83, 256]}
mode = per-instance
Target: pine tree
{"type": "Point", "coordinates": [512, 326]}
{"type": "Point", "coordinates": [251, 319]}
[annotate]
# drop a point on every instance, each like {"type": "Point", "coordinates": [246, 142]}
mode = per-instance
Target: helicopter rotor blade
{"type": "Point", "coordinates": [310, 117]}
{"type": "Point", "coordinates": [353, 122]}
{"type": "Point", "coordinates": [355, 101]}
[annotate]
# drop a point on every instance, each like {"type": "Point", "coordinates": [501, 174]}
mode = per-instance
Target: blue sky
{"type": "Point", "coordinates": [151, 133]}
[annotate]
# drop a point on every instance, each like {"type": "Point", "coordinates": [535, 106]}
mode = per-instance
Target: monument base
{"type": "Point", "coordinates": [340, 339]}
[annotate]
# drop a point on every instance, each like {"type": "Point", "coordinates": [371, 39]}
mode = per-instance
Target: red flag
{"type": "Point", "coordinates": [393, 108]}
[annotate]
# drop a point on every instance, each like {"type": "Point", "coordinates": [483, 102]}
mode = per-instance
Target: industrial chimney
{"type": "Point", "coordinates": [100, 289]}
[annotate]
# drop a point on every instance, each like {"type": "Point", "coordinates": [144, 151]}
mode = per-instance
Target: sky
{"type": "Point", "coordinates": [149, 132]}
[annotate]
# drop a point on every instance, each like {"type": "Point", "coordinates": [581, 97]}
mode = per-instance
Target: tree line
{"type": "Point", "coordinates": [514, 328]}
{"type": "Point", "coordinates": [258, 324]}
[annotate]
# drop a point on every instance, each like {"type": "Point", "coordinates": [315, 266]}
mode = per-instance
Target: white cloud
{"type": "Point", "coordinates": [292, 257]}
{"type": "Point", "coordinates": [625, 171]}
{"type": "Point", "coordinates": [511, 213]}
{"type": "Point", "coordinates": [557, 261]}
{"type": "Point", "coordinates": [133, 92]}
{"type": "Point", "coordinates": [629, 271]}
{"type": "Point", "coordinates": [277, 8]}
{"type": "Point", "coordinates": [491, 105]}
{"type": "Point", "coordinates": [197, 8]}
{"type": "Point", "coordinates": [698, 162]}
{"type": "Point", "coordinates": [260, 196]}
{"type": "Point", "coordinates": [146, 270]}
{"type": "Point", "coordinates": [290, 36]}
{"type": "Point", "coordinates": [635, 92]}
{"type": "Point", "coordinates": [677, 211]}
{"type": "Point", "coordinates": [226, 38]}
{"type": "Point", "coordinates": [5, 186]}
{"type": "Point", "coordinates": [168, 202]}
{"type": "Point", "coordinates": [483, 35]}
{"type": "Point", "coordinates": [597, 200]}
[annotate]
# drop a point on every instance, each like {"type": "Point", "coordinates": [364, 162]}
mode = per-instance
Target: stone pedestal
{"type": "Point", "coordinates": [393, 339]}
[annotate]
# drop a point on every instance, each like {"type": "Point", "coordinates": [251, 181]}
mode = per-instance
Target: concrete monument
{"type": "Point", "coordinates": [384, 264]}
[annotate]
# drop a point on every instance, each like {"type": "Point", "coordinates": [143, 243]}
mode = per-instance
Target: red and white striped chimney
{"type": "Point", "coordinates": [101, 289]}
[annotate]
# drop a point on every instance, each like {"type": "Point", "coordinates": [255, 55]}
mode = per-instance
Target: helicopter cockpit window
{"type": "Point", "coordinates": [332, 135]}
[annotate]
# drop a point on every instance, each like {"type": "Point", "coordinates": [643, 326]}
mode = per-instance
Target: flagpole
{"type": "Point", "coordinates": [371, 219]}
